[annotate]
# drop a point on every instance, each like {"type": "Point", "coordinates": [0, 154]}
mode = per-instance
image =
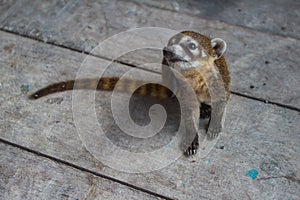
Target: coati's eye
{"type": "Point", "coordinates": [192, 46]}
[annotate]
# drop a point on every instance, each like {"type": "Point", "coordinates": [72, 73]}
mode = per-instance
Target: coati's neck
{"type": "Point", "coordinates": [206, 68]}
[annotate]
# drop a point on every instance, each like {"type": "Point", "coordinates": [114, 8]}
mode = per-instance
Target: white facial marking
{"type": "Point", "coordinates": [203, 53]}
{"type": "Point", "coordinates": [190, 50]}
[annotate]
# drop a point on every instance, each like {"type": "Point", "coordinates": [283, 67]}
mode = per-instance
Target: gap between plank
{"type": "Point", "coordinates": [224, 22]}
{"type": "Point", "coordinates": [266, 101]}
{"type": "Point", "coordinates": [84, 169]}
{"type": "Point", "coordinates": [134, 66]}
{"type": "Point", "coordinates": [76, 50]}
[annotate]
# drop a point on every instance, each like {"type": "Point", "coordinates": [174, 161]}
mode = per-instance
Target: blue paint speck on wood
{"type": "Point", "coordinates": [252, 173]}
{"type": "Point", "coordinates": [131, 12]}
{"type": "Point", "coordinates": [27, 87]}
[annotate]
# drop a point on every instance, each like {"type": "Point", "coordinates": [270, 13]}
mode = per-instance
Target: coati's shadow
{"type": "Point", "coordinates": [139, 107]}
{"type": "Point", "coordinates": [139, 110]}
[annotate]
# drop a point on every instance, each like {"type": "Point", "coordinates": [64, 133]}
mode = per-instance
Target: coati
{"type": "Point", "coordinates": [201, 62]}
{"type": "Point", "coordinates": [198, 59]}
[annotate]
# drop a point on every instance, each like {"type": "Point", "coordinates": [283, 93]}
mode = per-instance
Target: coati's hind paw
{"type": "Point", "coordinates": [193, 148]}
{"type": "Point", "coordinates": [205, 111]}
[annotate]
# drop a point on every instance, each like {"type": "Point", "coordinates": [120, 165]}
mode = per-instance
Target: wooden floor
{"type": "Point", "coordinates": [42, 155]}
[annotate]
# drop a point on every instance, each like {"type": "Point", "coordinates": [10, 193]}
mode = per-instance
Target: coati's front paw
{"type": "Point", "coordinates": [192, 149]}
{"type": "Point", "coordinates": [213, 132]}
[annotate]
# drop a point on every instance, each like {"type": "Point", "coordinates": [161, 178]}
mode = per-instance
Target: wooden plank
{"type": "Point", "coordinates": [256, 135]}
{"type": "Point", "coordinates": [271, 16]}
{"type": "Point", "coordinates": [256, 62]}
{"type": "Point", "coordinates": [24, 175]}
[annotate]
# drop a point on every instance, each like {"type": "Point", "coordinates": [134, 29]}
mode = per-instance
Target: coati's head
{"type": "Point", "coordinates": [188, 50]}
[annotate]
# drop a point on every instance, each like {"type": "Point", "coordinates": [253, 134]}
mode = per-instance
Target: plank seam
{"type": "Point", "coordinates": [224, 22]}
{"type": "Point", "coordinates": [134, 66]}
{"type": "Point", "coordinates": [266, 101]}
{"type": "Point", "coordinates": [75, 50]}
{"type": "Point", "coordinates": [84, 169]}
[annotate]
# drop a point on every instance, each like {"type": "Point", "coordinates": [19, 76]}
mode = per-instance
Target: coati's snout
{"type": "Point", "coordinates": [171, 56]}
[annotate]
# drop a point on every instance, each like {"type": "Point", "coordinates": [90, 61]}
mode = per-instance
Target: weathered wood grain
{"type": "Point", "coordinates": [256, 135]}
{"type": "Point", "coordinates": [262, 65]}
{"type": "Point", "coordinates": [271, 16]}
{"type": "Point", "coordinates": [24, 175]}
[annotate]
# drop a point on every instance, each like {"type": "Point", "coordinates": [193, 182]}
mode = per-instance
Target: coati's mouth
{"type": "Point", "coordinates": [171, 56]}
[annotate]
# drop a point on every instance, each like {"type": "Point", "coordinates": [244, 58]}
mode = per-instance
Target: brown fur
{"type": "Point", "coordinates": [208, 81]}
{"type": "Point", "coordinates": [106, 84]}
{"type": "Point", "coordinates": [220, 63]}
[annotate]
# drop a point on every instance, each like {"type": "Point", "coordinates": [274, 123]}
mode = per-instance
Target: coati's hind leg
{"type": "Point", "coordinates": [205, 111]}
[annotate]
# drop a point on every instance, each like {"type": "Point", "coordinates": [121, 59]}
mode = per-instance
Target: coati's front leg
{"type": "Point", "coordinates": [218, 105]}
{"type": "Point", "coordinates": [216, 119]}
{"type": "Point", "coordinates": [191, 123]}
{"type": "Point", "coordinates": [190, 108]}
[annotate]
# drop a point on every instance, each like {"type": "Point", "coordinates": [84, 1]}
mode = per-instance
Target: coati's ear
{"type": "Point", "coordinates": [219, 46]}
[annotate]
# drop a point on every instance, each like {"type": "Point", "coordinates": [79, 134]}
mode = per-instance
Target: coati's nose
{"type": "Point", "coordinates": [168, 53]}
{"type": "Point", "coordinates": [171, 56]}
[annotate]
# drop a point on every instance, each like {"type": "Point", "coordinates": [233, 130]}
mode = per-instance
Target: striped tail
{"type": "Point", "coordinates": [107, 84]}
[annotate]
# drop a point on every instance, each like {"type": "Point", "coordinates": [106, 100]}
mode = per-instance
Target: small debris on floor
{"type": "Point", "coordinates": [175, 5]}
{"type": "Point", "coordinates": [25, 88]}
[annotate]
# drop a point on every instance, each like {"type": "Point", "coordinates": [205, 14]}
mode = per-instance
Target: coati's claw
{"type": "Point", "coordinates": [213, 133]}
{"type": "Point", "coordinates": [192, 149]}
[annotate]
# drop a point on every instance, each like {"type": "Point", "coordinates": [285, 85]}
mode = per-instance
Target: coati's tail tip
{"type": "Point", "coordinates": [34, 96]}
